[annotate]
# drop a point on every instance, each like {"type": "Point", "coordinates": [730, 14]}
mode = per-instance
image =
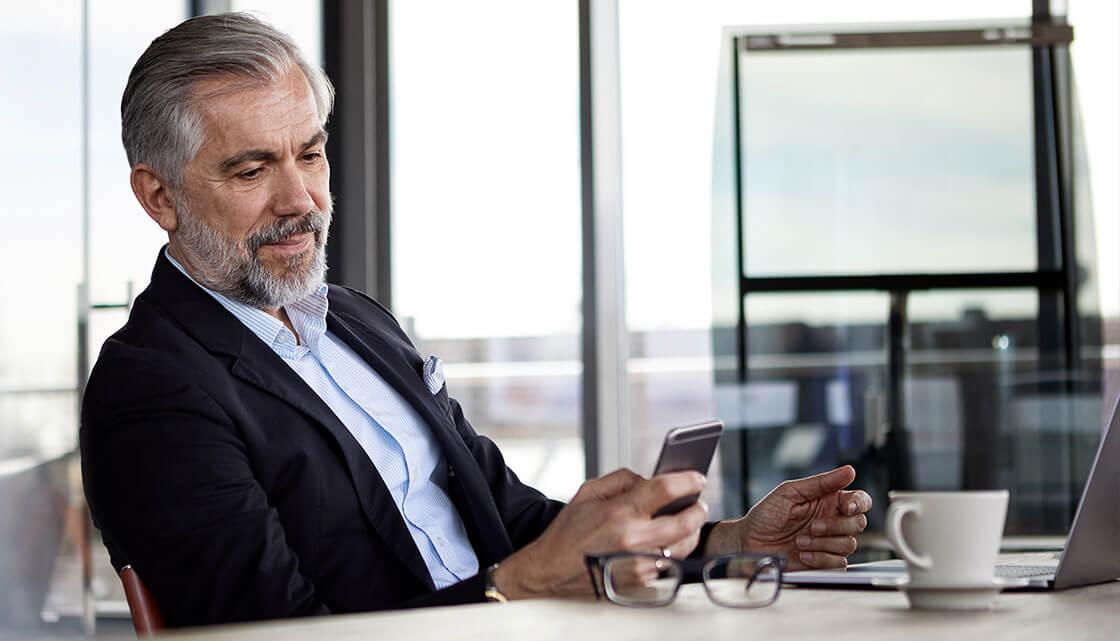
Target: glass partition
{"type": "Point", "coordinates": [670, 64]}
{"type": "Point", "coordinates": [918, 298]}
{"type": "Point", "coordinates": [41, 259]}
{"type": "Point", "coordinates": [45, 259]}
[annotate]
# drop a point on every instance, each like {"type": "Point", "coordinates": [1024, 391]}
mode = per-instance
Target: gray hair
{"type": "Point", "coordinates": [160, 125]}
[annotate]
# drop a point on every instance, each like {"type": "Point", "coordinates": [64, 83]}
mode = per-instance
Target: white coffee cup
{"type": "Point", "coordinates": [948, 539]}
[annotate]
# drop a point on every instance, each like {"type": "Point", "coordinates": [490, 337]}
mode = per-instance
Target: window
{"type": "Point", "coordinates": [486, 217]}
{"type": "Point", "coordinates": [918, 169]}
{"type": "Point", "coordinates": [46, 257]}
{"type": "Point", "coordinates": [670, 65]}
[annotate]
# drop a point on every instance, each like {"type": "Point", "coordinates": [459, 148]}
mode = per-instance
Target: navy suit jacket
{"type": "Point", "coordinates": [234, 491]}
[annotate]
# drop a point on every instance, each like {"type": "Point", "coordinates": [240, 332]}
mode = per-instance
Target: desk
{"type": "Point", "coordinates": [1083, 613]}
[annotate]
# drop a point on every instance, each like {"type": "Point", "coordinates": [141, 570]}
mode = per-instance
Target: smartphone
{"type": "Point", "coordinates": [690, 447]}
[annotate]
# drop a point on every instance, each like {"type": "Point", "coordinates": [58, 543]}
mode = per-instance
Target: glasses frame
{"type": "Point", "coordinates": [599, 562]}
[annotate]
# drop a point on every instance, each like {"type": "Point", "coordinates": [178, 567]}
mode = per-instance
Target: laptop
{"type": "Point", "coordinates": [1092, 551]}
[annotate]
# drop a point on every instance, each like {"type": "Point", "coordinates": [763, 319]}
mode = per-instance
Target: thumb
{"type": "Point", "coordinates": [608, 486]}
{"type": "Point", "coordinates": [819, 485]}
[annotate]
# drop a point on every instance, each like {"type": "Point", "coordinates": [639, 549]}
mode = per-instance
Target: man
{"type": "Point", "coordinates": [257, 444]}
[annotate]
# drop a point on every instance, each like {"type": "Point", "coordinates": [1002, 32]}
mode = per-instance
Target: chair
{"type": "Point", "coordinates": [146, 618]}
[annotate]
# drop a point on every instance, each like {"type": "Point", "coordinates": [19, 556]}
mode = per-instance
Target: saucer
{"type": "Point", "coordinates": [951, 597]}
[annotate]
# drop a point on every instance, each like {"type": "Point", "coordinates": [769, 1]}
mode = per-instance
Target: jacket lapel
{"type": "Point", "coordinates": [255, 363]}
{"type": "Point", "coordinates": [261, 367]}
{"type": "Point", "coordinates": [394, 365]}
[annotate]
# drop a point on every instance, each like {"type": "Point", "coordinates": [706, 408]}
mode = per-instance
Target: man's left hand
{"type": "Point", "coordinates": [811, 521]}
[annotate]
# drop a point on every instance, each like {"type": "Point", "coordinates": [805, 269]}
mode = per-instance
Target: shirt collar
{"type": "Point", "coordinates": [308, 316]}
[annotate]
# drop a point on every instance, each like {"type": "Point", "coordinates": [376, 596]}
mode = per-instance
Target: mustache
{"type": "Point", "coordinates": [313, 221]}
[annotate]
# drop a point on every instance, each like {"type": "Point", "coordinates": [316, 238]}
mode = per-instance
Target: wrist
{"type": "Point", "coordinates": [509, 578]}
{"type": "Point", "coordinates": [725, 538]}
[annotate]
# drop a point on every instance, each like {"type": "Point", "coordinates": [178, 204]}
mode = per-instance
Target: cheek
{"type": "Point", "coordinates": [242, 215]}
{"type": "Point", "coordinates": [319, 188]}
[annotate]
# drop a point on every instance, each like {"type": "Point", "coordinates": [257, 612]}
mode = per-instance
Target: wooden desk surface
{"type": "Point", "coordinates": [1082, 613]}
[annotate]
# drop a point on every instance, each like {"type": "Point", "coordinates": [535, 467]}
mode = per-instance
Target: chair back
{"type": "Point", "coordinates": [146, 618]}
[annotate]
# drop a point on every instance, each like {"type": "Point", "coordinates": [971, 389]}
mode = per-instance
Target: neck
{"type": "Point", "coordinates": [200, 275]}
{"type": "Point", "coordinates": [197, 274]}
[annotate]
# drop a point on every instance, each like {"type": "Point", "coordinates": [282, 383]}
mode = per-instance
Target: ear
{"type": "Point", "coordinates": [155, 196]}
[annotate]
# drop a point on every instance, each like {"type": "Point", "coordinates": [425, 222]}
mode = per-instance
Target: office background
{"type": "Point", "coordinates": [536, 189]}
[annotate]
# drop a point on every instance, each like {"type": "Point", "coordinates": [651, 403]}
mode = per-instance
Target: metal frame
{"type": "Point", "coordinates": [1056, 278]}
{"type": "Point", "coordinates": [605, 382]}
{"type": "Point", "coordinates": [356, 57]}
{"type": "Point", "coordinates": [1048, 279]}
{"type": "Point", "coordinates": [206, 7]}
{"type": "Point", "coordinates": [1037, 34]}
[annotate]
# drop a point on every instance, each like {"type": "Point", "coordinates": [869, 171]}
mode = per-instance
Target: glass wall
{"type": "Point", "coordinates": [814, 395]}
{"type": "Point", "coordinates": [668, 122]}
{"type": "Point", "coordinates": [486, 217]}
{"type": "Point", "coordinates": [1096, 66]}
{"type": "Point", "coordinates": [40, 258]}
{"type": "Point", "coordinates": [879, 168]}
{"type": "Point", "coordinates": [38, 371]}
{"type": "Point", "coordinates": [45, 260]}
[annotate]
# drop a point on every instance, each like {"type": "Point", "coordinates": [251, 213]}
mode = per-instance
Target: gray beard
{"type": "Point", "coordinates": [233, 269]}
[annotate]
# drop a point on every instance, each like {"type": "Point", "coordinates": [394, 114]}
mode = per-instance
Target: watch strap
{"type": "Point", "coordinates": [492, 592]}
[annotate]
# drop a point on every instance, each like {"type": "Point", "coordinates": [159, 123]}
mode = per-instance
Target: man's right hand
{"type": "Point", "coordinates": [608, 514]}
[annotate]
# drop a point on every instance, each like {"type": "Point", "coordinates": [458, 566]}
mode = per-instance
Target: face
{"type": "Point", "coordinates": [254, 209]}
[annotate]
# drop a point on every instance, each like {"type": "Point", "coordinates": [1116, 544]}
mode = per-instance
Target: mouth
{"type": "Point", "coordinates": [294, 244]}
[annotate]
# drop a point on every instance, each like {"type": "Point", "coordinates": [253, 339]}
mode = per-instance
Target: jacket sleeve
{"type": "Point", "coordinates": [525, 511]}
{"type": "Point", "coordinates": [170, 485]}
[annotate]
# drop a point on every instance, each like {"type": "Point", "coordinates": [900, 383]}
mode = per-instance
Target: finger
{"type": "Point", "coordinates": [822, 560]}
{"type": "Point", "coordinates": [671, 531]}
{"type": "Point", "coordinates": [822, 484]}
{"type": "Point", "coordinates": [652, 495]}
{"type": "Point", "coordinates": [854, 502]}
{"type": "Point", "coordinates": [840, 545]}
{"type": "Point", "coordinates": [681, 549]}
{"type": "Point", "coordinates": [608, 486]}
{"type": "Point", "coordinates": [838, 525]}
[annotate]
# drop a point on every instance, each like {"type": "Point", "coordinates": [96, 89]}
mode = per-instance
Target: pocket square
{"type": "Point", "coordinates": [433, 374]}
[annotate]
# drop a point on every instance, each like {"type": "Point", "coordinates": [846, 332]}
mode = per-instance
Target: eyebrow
{"type": "Point", "coordinates": [249, 155]}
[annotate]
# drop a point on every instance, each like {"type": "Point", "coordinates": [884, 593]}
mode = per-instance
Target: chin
{"type": "Point", "coordinates": [283, 266]}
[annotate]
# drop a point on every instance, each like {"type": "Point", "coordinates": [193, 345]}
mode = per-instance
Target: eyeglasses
{"type": "Point", "coordinates": [639, 579]}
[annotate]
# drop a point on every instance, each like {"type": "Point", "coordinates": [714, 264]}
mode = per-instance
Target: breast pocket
{"type": "Point", "coordinates": [436, 382]}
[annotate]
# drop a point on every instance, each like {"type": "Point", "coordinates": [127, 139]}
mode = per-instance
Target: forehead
{"type": "Point", "coordinates": [238, 113]}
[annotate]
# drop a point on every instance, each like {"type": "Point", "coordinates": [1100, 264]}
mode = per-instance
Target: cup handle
{"type": "Point", "coordinates": [895, 514]}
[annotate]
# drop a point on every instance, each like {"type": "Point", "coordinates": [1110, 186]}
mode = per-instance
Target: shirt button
{"type": "Point", "coordinates": [440, 542]}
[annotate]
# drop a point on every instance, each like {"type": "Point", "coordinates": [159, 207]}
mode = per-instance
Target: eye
{"type": "Point", "coordinates": [312, 156]}
{"type": "Point", "coordinates": [251, 174]}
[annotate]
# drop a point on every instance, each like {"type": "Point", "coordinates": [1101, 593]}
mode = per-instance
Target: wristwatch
{"type": "Point", "coordinates": [492, 592]}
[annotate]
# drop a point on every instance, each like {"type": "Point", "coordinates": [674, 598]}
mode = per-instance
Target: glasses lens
{"type": "Point", "coordinates": [641, 580]}
{"type": "Point", "coordinates": [743, 581]}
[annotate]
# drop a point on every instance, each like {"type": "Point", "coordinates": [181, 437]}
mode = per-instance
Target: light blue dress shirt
{"type": "Point", "coordinates": [396, 440]}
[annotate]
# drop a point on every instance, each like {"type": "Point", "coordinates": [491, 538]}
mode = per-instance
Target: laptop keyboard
{"type": "Point", "coordinates": [1023, 571]}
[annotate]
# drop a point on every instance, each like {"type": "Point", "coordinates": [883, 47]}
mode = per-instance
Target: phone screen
{"type": "Point", "coordinates": [690, 447]}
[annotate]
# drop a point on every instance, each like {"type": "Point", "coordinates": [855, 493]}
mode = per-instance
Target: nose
{"type": "Point", "coordinates": [291, 197]}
